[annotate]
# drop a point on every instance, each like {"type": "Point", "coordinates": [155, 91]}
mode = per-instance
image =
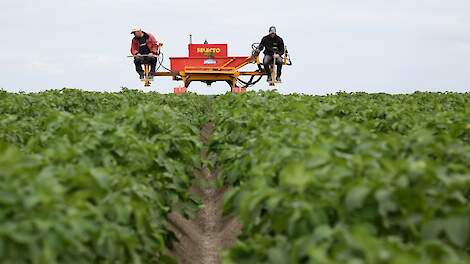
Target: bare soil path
{"type": "Point", "coordinates": [202, 238]}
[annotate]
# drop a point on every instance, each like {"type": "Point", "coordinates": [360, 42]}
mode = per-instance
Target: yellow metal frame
{"type": "Point", "coordinates": [146, 80]}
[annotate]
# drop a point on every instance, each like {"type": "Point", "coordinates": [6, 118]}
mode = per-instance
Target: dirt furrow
{"type": "Point", "coordinates": [202, 238]}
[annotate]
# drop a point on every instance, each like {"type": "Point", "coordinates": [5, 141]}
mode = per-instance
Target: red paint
{"type": "Point", "coordinates": [179, 63]}
{"type": "Point", "coordinates": [204, 50]}
{"type": "Point", "coordinates": [180, 90]}
{"type": "Point", "coordinates": [238, 90]}
{"type": "Point", "coordinates": [206, 57]}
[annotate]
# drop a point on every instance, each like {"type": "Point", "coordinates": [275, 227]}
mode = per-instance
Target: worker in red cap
{"type": "Point", "coordinates": [144, 43]}
{"type": "Point", "coordinates": [273, 46]}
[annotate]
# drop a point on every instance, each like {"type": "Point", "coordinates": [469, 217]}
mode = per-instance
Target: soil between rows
{"type": "Point", "coordinates": [202, 238]}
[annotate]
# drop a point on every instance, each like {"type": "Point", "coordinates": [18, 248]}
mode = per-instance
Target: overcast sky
{"type": "Point", "coordinates": [394, 46]}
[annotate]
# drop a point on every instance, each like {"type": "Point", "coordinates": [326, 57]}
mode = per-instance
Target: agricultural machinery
{"type": "Point", "coordinates": [209, 63]}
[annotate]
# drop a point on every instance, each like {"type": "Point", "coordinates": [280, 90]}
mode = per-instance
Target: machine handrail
{"type": "Point", "coordinates": [145, 55]}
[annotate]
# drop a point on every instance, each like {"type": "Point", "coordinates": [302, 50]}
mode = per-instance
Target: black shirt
{"type": "Point", "coordinates": [143, 48]}
{"type": "Point", "coordinates": [270, 43]}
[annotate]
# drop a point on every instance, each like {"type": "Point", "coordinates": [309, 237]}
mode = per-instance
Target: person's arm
{"type": "Point", "coordinates": [282, 47]}
{"type": "Point", "coordinates": [154, 47]}
{"type": "Point", "coordinates": [134, 49]}
{"type": "Point", "coordinates": [260, 47]}
{"type": "Point", "coordinates": [262, 44]}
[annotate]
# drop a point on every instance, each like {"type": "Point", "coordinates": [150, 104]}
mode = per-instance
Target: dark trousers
{"type": "Point", "coordinates": [138, 61]}
{"type": "Point", "coordinates": [268, 61]}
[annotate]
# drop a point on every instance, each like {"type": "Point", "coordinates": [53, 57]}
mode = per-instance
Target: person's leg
{"type": "Point", "coordinates": [279, 68]}
{"type": "Point", "coordinates": [153, 65]}
{"type": "Point", "coordinates": [138, 61]}
{"type": "Point", "coordinates": [267, 62]}
{"type": "Point", "coordinates": [152, 61]}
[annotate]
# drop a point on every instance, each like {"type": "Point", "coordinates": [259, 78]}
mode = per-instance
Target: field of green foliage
{"type": "Point", "coordinates": [347, 178]}
{"type": "Point", "coordinates": [88, 177]}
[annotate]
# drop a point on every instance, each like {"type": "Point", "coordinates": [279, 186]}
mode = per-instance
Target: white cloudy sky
{"type": "Point", "coordinates": [392, 46]}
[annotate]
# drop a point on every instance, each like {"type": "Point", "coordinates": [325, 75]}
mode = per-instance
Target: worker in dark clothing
{"type": "Point", "coordinates": [273, 46]}
{"type": "Point", "coordinates": [144, 43]}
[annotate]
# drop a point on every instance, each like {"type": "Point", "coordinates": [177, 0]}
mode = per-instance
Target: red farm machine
{"type": "Point", "coordinates": [209, 63]}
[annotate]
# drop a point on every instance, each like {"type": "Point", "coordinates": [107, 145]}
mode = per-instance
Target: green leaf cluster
{"type": "Point", "coordinates": [347, 178]}
{"type": "Point", "coordinates": [89, 177]}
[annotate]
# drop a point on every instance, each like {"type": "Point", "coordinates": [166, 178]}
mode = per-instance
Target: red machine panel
{"type": "Point", "coordinates": [207, 57]}
{"type": "Point", "coordinates": [208, 50]}
{"type": "Point", "coordinates": [179, 64]}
